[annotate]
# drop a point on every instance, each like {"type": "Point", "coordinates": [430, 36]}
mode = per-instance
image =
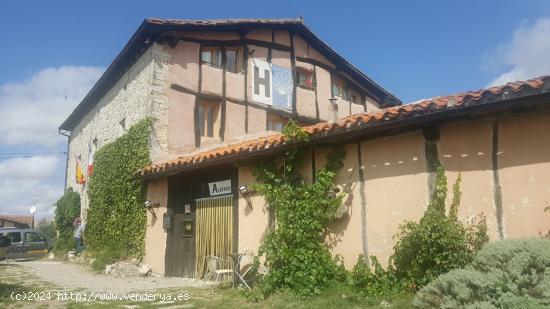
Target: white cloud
{"type": "Point", "coordinates": [33, 109]}
{"type": "Point", "coordinates": [527, 55]}
{"type": "Point", "coordinates": [23, 179]}
{"type": "Point", "coordinates": [29, 168]}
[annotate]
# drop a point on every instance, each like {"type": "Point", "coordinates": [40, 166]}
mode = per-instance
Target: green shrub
{"type": "Point", "coordinates": [439, 242]}
{"type": "Point", "coordinates": [67, 208]}
{"type": "Point", "coordinates": [116, 218]}
{"type": "Point", "coordinates": [378, 283]}
{"type": "Point", "coordinates": [504, 274]}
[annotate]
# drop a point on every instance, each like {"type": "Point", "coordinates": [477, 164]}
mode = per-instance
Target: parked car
{"type": "Point", "coordinates": [5, 243]}
{"type": "Point", "coordinates": [26, 243]}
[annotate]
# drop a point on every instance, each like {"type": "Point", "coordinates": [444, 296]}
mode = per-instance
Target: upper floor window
{"type": "Point", "coordinates": [305, 78]}
{"type": "Point", "coordinates": [234, 56]}
{"type": "Point", "coordinates": [275, 123]}
{"type": "Point", "coordinates": [208, 118]}
{"type": "Point", "coordinates": [212, 56]}
{"type": "Point", "coordinates": [338, 88]}
{"type": "Point", "coordinates": [355, 98]}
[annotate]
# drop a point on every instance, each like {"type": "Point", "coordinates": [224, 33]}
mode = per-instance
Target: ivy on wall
{"type": "Point", "coordinates": [295, 252]}
{"type": "Point", "coordinates": [116, 217]}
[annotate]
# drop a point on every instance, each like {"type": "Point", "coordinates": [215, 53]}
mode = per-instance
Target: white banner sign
{"type": "Point", "coordinates": [272, 84]}
{"type": "Point", "coordinates": [220, 187]}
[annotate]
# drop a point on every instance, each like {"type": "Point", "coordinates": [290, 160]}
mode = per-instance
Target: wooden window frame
{"type": "Point", "coordinates": [304, 72]}
{"type": "Point", "coordinates": [208, 119]}
{"type": "Point", "coordinates": [238, 59]}
{"type": "Point", "coordinates": [216, 58]}
{"type": "Point", "coordinates": [273, 120]}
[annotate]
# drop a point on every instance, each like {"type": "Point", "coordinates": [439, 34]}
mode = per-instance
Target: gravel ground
{"type": "Point", "coordinates": [73, 276]}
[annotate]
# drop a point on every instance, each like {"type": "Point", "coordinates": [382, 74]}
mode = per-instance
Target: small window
{"type": "Point", "coordinates": [234, 60]}
{"type": "Point", "coordinates": [305, 79]}
{"type": "Point", "coordinates": [275, 123]}
{"type": "Point", "coordinates": [212, 56]}
{"type": "Point", "coordinates": [208, 116]}
{"type": "Point", "coordinates": [33, 237]}
{"type": "Point", "coordinates": [355, 98]}
{"type": "Point", "coordinates": [338, 89]}
{"type": "Point", "coordinates": [14, 236]}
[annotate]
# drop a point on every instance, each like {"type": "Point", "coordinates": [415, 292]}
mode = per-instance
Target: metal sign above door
{"type": "Point", "coordinates": [220, 187]}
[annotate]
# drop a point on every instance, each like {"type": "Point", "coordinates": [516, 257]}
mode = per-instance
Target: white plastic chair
{"type": "Point", "coordinates": [217, 268]}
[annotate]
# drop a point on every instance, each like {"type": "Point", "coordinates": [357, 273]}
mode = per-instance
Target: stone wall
{"type": "Point", "coordinates": [138, 93]}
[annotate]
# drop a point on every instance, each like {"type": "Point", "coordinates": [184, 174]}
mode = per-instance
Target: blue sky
{"type": "Point", "coordinates": [54, 51]}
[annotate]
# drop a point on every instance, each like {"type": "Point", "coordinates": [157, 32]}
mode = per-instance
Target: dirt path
{"type": "Point", "coordinates": [67, 276]}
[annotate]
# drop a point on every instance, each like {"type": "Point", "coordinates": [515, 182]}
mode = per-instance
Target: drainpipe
{"type": "Point", "coordinates": [68, 135]}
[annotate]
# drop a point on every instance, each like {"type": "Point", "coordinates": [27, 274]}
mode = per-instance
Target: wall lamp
{"type": "Point", "coordinates": [149, 206]}
{"type": "Point", "coordinates": [245, 192]}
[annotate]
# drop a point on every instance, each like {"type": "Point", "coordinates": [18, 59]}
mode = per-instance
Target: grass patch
{"type": "Point", "coordinates": [336, 297]}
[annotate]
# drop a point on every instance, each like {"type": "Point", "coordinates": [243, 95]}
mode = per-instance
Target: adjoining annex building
{"type": "Point", "coordinates": [221, 90]}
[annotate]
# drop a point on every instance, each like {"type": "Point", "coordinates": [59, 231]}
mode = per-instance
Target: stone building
{"type": "Point", "coordinates": [221, 89]}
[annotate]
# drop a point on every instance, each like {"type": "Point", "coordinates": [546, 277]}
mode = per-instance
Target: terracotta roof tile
{"type": "Point", "coordinates": [416, 109]}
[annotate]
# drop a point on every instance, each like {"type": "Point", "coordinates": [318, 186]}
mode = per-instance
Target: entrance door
{"type": "Point", "coordinates": [182, 263]}
{"type": "Point", "coordinates": [214, 230]}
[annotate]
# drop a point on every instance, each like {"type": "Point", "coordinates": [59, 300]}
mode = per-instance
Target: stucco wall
{"type": "Point", "coordinates": [155, 241]}
{"type": "Point", "coordinates": [137, 94]}
{"type": "Point", "coordinates": [252, 218]}
{"type": "Point", "coordinates": [465, 148]}
{"type": "Point", "coordinates": [524, 162]}
{"type": "Point", "coordinates": [396, 187]}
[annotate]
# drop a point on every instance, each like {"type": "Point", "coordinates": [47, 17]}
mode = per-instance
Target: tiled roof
{"type": "Point", "coordinates": [226, 21]}
{"type": "Point", "coordinates": [365, 120]}
{"type": "Point", "coordinates": [17, 219]}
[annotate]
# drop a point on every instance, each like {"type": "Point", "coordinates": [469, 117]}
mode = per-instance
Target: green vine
{"type": "Point", "coordinates": [295, 251]}
{"type": "Point", "coordinates": [116, 217]}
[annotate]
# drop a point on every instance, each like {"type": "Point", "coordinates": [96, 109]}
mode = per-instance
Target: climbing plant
{"type": "Point", "coordinates": [116, 217]}
{"type": "Point", "coordinates": [295, 252]}
{"type": "Point", "coordinates": [67, 208]}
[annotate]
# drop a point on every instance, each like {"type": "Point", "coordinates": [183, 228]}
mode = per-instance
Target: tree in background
{"type": "Point", "coordinates": [67, 209]}
{"type": "Point", "coordinates": [47, 226]}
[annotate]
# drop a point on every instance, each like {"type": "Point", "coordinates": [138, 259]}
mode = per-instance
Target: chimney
{"type": "Point", "coordinates": [333, 110]}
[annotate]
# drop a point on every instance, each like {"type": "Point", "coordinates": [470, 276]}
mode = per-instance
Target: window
{"type": "Point", "coordinates": [355, 98]}
{"type": "Point", "coordinates": [305, 78]}
{"type": "Point", "coordinates": [14, 236]}
{"type": "Point", "coordinates": [338, 88]}
{"type": "Point", "coordinates": [234, 60]}
{"type": "Point", "coordinates": [212, 56]}
{"type": "Point", "coordinates": [33, 237]}
{"type": "Point", "coordinates": [275, 123]}
{"type": "Point", "coordinates": [208, 116]}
